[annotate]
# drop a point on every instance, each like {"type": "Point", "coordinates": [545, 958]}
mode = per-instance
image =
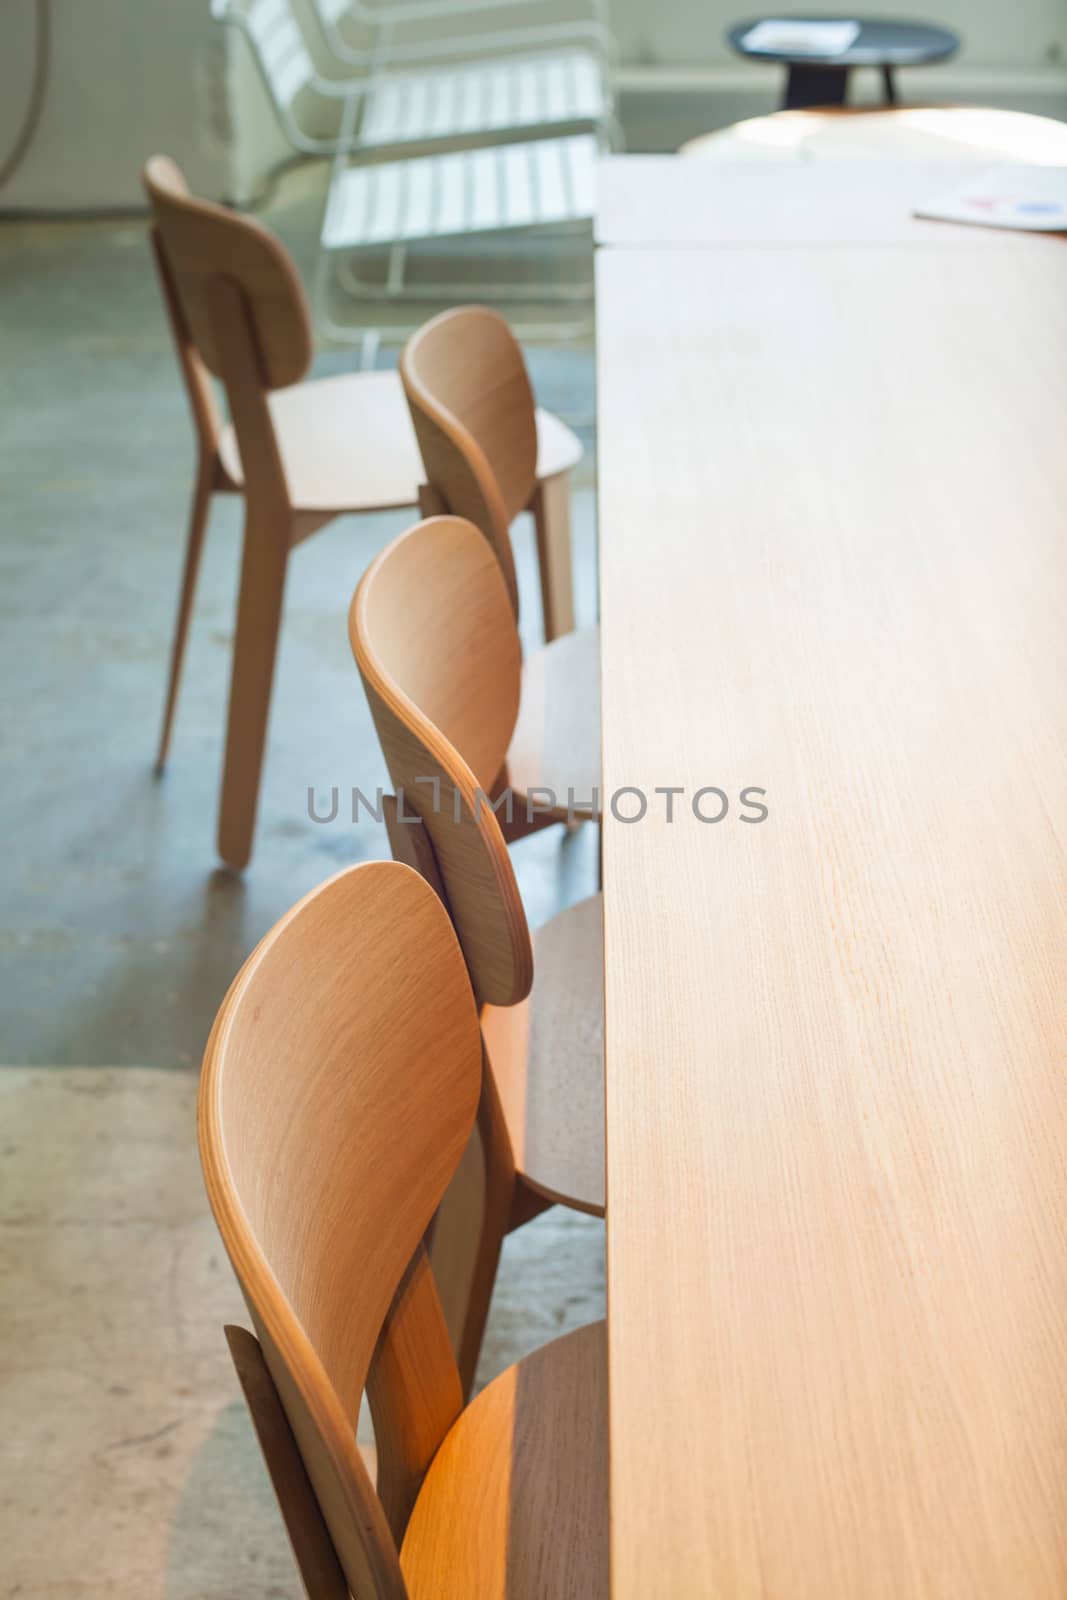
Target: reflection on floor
{"type": "Point", "coordinates": [131, 1470]}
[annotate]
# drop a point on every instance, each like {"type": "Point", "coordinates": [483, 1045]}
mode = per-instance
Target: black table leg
{"type": "Point", "coordinates": [808, 85]}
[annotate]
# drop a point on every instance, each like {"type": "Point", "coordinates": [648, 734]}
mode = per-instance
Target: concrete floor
{"type": "Point", "coordinates": [118, 937]}
{"type": "Point", "coordinates": [130, 1469]}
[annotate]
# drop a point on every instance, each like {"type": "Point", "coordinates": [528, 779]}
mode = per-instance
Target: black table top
{"type": "Point", "coordinates": [879, 43]}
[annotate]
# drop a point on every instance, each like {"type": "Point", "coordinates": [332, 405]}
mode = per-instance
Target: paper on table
{"type": "Point", "coordinates": [1009, 196]}
{"type": "Point", "coordinates": [780, 36]}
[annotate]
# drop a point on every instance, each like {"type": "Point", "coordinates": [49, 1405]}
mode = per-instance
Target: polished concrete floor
{"type": "Point", "coordinates": [129, 1467]}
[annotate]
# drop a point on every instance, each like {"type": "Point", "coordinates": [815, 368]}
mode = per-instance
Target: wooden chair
{"type": "Point", "coordinates": [301, 453]}
{"type": "Point", "coordinates": [473, 413]}
{"type": "Point", "coordinates": [435, 641]}
{"type": "Point", "coordinates": [338, 1093]}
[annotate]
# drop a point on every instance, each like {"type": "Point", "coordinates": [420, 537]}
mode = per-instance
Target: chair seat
{"type": "Point", "coordinates": [510, 92]}
{"type": "Point", "coordinates": [559, 448]}
{"type": "Point", "coordinates": [556, 743]}
{"type": "Point", "coordinates": [545, 182]}
{"type": "Point", "coordinates": [547, 1055]}
{"type": "Point", "coordinates": [515, 1504]}
{"type": "Point", "coordinates": [348, 444]}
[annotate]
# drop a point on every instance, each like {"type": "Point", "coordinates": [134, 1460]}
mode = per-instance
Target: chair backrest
{"type": "Point", "coordinates": [437, 647]}
{"type": "Point", "coordinates": [199, 388]}
{"type": "Point", "coordinates": [338, 1092]}
{"type": "Point", "coordinates": [281, 54]}
{"type": "Point", "coordinates": [476, 422]}
{"type": "Point", "coordinates": [206, 245]}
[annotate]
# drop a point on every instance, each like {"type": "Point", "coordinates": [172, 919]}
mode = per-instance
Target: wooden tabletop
{"type": "Point", "coordinates": [661, 200]}
{"type": "Point", "coordinates": [833, 490]}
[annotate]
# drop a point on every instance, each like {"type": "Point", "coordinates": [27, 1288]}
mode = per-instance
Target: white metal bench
{"type": "Point", "coordinates": [545, 184]}
{"type": "Point", "coordinates": [478, 102]}
{"type": "Point", "coordinates": [472, 28]}
{"type": "Point", "coordinates": [385, 206]}
{"type": "Point", "coordinates": [491, 98]}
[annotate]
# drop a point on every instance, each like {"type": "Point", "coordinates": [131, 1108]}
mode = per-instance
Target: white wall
{"type": "Point", "coordinates": [132, 76]}
{"type": "Point", "coordinates": [127, 78]}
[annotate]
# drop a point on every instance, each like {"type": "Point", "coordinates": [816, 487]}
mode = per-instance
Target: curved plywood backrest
{"type": "Point", "coordinates": [475, 420]}
{"type": "Point", "coordinates": [339, 1090]}
{"type": "Point", "coordinates": [204, 243]}
{"type": "Point", "coordinates": [436, 644]}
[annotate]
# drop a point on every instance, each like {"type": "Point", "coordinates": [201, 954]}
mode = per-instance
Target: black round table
{"type": "Point", "coordinates": [823, 80]}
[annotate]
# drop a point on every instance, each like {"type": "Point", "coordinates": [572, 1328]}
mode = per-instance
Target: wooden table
{"type": "Point", "coordinates": [833, 489]}
{"type": "Point", "coordinates": [654, 200]}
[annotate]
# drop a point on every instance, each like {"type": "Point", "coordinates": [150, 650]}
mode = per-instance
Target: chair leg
{"type": "Point", "coordinates": [312, 1545]}
{"type": "Point", "coordinates": [465, 1244]}
{"type": "Point", "coordinates": [194, 544]}
{"type": "Point", "coordinates": [551, 507]}
{"type": "Point", "coordinates": [469, 1229]}
{"type": "Point", "coordinates": [259, 613]}
{"type": "Point", "coordinates": [490, 1243]}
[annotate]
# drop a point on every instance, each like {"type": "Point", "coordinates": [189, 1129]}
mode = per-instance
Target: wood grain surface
{"type": "Point", "coordinates": [659, 200]}
{"type": "Point", "coordinates": [836, 1133]}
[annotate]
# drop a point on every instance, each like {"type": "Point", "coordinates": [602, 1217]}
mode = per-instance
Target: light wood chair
{"type": "Point", "coordinates": [435, 641]}
{"type": "Point", "coordinates": [472, 407]}
{"type": "Point", "coordinates": [338, 1093]}
{"type": "Point", "coordinates": [473, 412]}
{"type": "Point", "coordinates": [300, 453]}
